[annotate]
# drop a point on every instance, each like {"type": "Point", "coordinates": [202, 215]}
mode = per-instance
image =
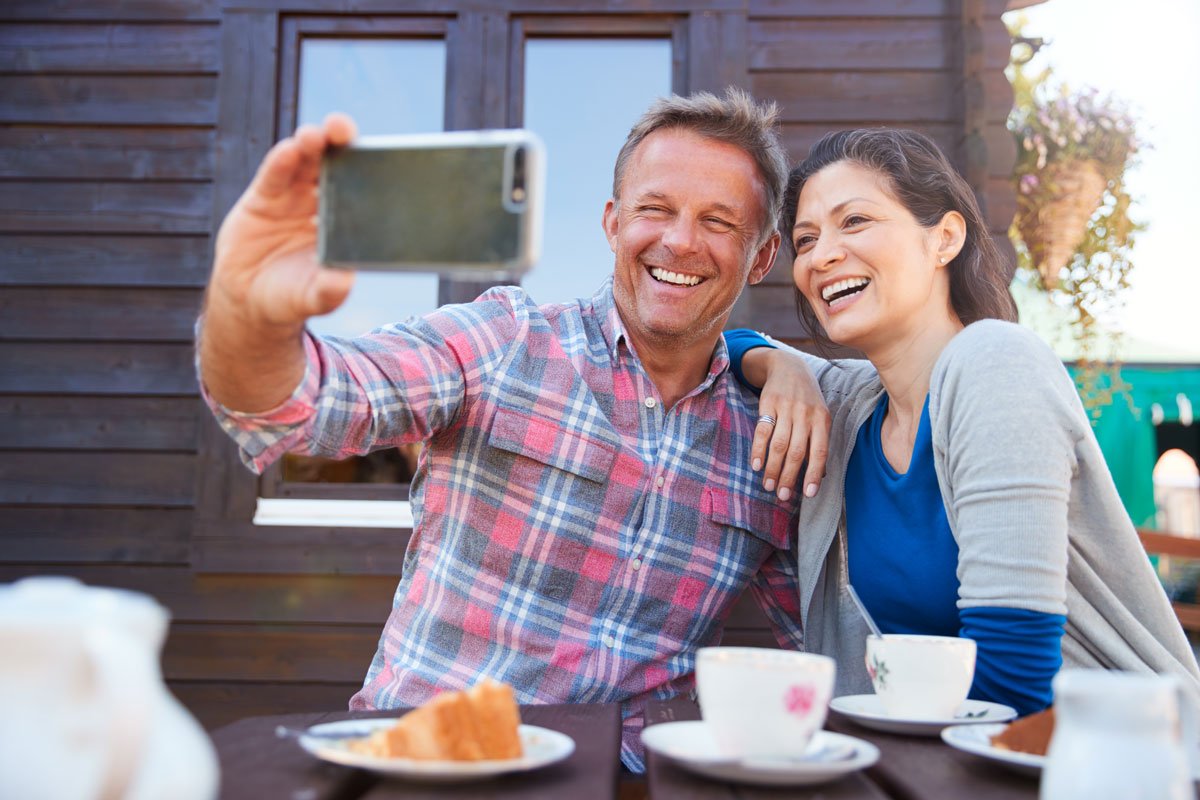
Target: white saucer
{"type": "Point", "coordinates": [690, 745]}
{"type": "Point", "coordinates": [867, 710]}
{"type": "Point", "coordinates": [541, 747]}
{"type": "Point", "coordinates": [977, 739]}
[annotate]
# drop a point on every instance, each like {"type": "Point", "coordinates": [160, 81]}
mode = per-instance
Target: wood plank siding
{"type": "Point", "coordinates": [127, 127]}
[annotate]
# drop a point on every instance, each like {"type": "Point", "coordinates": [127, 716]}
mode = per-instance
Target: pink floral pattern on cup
{"type": "Point", "coordinates": [799, 700]}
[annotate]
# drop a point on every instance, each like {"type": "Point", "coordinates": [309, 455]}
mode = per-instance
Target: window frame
{"type": "Point", "coordinates": [645, 26]}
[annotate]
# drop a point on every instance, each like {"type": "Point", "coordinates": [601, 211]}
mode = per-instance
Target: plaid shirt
{"type": "Point", "coordinates": [572, 537]}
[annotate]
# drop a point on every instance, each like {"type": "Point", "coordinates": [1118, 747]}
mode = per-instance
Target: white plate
{"type": "Point", "coordinates": [867, 710]}
{"type": "Point", "coordinates": [541, 747]}
{"type": "Point", "coordinates": [690, 745]}
{"type": "Point", "coordinates": [977, 739]}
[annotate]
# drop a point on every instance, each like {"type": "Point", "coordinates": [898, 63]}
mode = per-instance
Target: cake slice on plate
{"type": "Point", "coordinates": [1029, 734]}
{"type": "Point", "coordinates": [471, 725]}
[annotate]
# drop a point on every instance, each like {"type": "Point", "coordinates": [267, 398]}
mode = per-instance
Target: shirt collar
{"type": "Point", "coordinates": [615, 335]}
{"type": "Point", "coordinates": [611, 327]}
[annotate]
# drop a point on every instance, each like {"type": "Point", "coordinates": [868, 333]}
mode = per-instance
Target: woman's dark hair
{"type": "Point", "coordinates": [923, 180]}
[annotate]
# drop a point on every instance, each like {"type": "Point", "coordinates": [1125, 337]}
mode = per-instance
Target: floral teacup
{"type": "Point", "coordinates": [921, 677]}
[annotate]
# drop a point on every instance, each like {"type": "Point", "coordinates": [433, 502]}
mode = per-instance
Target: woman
{"type": "Point", "coordinates": [965, 493]}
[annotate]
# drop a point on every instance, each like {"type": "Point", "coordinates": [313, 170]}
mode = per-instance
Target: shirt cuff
{"type": "Point", "coordinates": [739, 342]}
{"type": "Point", "coordinates": [263, 436]}
{"type": "Point", "coordinates": [1018, 653]}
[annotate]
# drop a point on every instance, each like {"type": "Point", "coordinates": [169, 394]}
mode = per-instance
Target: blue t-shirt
{"type": "Point", "coordinates": [739, 342]}
{"type": "Point", "coordinates": [902, 556]}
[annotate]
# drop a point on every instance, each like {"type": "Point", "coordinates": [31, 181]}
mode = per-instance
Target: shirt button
{"type": "Point", "coordinates": [651, 402]}
{"type": "Point", "coordinates": [637, 564]}
{"type": "Point", "coordinates": [659, 481]}
{"type": "Point", "coordinates": [610, 642]}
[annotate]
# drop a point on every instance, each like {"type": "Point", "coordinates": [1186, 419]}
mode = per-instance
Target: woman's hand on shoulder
{"type": "Point", "coordinates": [792, 398]}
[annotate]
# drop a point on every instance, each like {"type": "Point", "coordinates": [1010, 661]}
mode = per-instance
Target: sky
{"type": "Point", "coordinates": [1146, 53]}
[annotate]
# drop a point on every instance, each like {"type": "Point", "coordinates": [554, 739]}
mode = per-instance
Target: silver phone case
{"type": "Point", "coordinates": [463, 203]}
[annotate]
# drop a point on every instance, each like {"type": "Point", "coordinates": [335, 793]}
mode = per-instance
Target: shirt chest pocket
{"type": "Point", "coordinates": [560, 480]}
{"type": "Point", "coordinates": [548, 443]}
{"type": "Point", "coordinates": [748, 511]}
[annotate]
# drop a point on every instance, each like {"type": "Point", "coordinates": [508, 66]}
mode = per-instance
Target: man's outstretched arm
{"type": "Point", "coordinates": [265, 281]}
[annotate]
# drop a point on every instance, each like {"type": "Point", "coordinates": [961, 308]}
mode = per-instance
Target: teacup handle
{"type": "Point", "coordinates": [126, 690]}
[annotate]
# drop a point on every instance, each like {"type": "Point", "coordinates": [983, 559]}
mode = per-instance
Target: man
{"type": "Point", "coordinates": [585, 512]}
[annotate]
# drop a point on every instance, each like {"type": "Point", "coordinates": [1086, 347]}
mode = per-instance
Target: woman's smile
{"type": "Point", "coordinates": [842, 292]}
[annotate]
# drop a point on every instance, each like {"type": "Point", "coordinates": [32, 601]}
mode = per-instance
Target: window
{"type": "Point", "coordinates": [387, 85]}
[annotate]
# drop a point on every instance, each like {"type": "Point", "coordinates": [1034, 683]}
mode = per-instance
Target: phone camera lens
{"type": "Point", "coordinates": [518, 175]}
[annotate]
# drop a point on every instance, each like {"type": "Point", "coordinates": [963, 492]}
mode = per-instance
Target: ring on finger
{"type": "Point", "coordinates": [767, 418]}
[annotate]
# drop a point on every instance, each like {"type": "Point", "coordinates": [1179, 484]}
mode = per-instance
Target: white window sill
{"type": "Point", "coordinates": [334, 513]}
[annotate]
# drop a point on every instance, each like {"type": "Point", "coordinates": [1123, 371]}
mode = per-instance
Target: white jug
{"type": "Point", "coordinates": [84, 712]}
{"type": "Point", "coordinates": [1118, 735]}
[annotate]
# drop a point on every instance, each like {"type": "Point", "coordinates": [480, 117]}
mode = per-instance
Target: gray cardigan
{"type": "Point", "coordinates": [1030, 501]}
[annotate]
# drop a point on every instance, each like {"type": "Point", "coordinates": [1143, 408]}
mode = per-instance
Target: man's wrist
{"type": "Point", "coordinates": [248, 367]}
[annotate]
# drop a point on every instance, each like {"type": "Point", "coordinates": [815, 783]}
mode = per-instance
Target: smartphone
{"type": "Point", "coordinates": [462, 203]}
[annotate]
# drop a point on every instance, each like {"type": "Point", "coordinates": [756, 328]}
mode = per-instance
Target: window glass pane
{"type": "Point", "coordinates": [582, 96]}
{"type": "Point", "coordinates": [387, 86]}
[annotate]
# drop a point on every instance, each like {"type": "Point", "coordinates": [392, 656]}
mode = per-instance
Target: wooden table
{"type": "Point", "coordinates": [909, 768]}
{"type": "Point", "coordinates": [255, 764]}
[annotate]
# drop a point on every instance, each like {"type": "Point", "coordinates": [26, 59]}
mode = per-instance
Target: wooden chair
{"type": "Point", "coordinates": [1184, 547]}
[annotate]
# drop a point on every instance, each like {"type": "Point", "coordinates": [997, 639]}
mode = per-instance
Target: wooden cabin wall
{"type": "Point", "coordinates": [108, 120]}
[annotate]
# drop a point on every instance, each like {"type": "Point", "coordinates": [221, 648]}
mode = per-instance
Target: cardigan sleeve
{"type": "Point", "coordinates": [1006, 423]}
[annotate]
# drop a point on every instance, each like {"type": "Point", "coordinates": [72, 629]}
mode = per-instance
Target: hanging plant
{"type": "Point", "coordinates": [1073, 148]}
{"type": "Point", "coordinates": [1073, 226]}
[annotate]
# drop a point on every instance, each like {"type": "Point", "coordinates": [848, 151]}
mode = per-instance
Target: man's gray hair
{"type": "Point", "coordinates": [736, 119]}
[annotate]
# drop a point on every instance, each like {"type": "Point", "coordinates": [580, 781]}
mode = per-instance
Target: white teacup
{"type": "Point", "coordinates": [760, 702]}
{"type": "Point", "coordinates": [921, 677]}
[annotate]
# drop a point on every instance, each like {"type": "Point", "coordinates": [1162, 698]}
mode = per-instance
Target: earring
{"type": "Point", "coordinates": [942, 260]}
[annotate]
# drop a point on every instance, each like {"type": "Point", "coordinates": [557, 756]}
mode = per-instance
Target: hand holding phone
{"type": "Point", "coordinates": [266, 282]}
{"type": "Point", "coordinates": [464, 203]}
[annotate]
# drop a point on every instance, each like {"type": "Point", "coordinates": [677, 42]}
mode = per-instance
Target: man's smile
{"type": "Point", "coordinates": [674, 278]}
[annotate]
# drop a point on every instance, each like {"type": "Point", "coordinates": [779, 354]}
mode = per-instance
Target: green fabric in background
{"type": "Point", "coordinates": [1126, 434]}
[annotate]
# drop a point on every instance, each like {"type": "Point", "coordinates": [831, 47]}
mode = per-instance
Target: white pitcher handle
{"type": "Point", "coordinates": [127, 692]}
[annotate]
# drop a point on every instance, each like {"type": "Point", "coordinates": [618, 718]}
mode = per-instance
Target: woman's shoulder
{"type": "Point", "coordinates": [991, 344]}
{"type": "Point", "coordinates": [988, 336]}
{"type": "Point", "coordinates": [997, 362]}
